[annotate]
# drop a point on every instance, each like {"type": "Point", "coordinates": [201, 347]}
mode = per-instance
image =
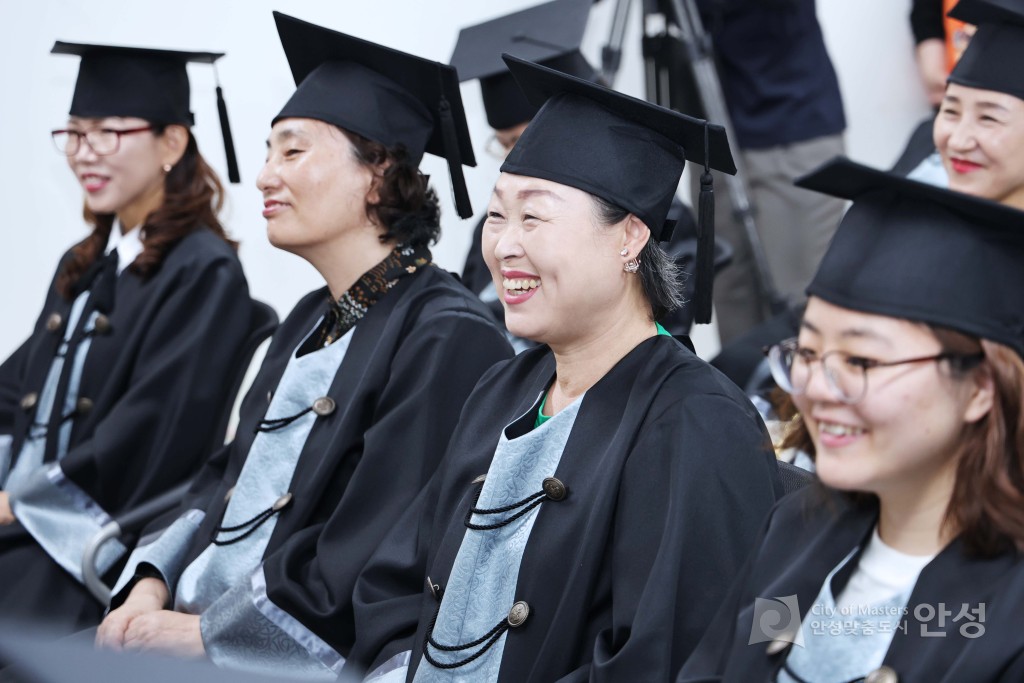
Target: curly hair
{"type": "Point", "coordinates": [407, 208]}
{"type": "Point", "coordinates": [193, 196]}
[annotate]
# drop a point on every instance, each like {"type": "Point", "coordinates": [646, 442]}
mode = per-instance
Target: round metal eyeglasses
{"type": "Point", "coordinates": [846, 375]}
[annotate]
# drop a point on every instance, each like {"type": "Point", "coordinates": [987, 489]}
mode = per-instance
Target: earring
{"type": "Point", "coordinates": [167, 168]}
{"type": "Point", "coordinates": [632, 266]}
{"type": "Point", "coordinates": [625, 250]}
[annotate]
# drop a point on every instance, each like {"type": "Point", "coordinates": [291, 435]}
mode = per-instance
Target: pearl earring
{"type": "Point", "coordinates": [167, 168]}
{"type": "Point", "coordinates": [625, 250]}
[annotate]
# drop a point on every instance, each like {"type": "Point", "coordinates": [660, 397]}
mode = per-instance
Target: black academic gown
{"type": "Point", "coordinates": [807, 535]}
{"type": "Point", "coordinates": [158, 381]}
{"type": "Point", "coordinates": [412, 361]}
{"type": "Point", "coordinates": [669, 472]}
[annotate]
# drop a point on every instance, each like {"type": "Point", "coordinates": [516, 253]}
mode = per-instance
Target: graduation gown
{"type": "Point", "coordinates": [807, 535]}
{"type": "Point", "coordinates": [411, 362]}
{"type": "Point", "coordinates": [156, 379]}
{"type": "Point", "coordinates": [669, 473]}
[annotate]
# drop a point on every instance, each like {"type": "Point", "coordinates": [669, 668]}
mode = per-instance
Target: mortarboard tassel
{"type": "Point", "coordinates": [705, 241]}
{"type": "Point", "coordinates": [668, 228]}
{"type": "Point", "coordinates": [454, 156]}
{"type": "Point", "coordinates": [229, 142]}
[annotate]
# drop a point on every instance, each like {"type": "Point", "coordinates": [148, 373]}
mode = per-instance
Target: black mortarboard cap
{"type": "Point", "coordinates": [910, 250]}
{"type": "Point", "coordinates": [382, 94]}
{"type": "Point", "coordinates": [142, 82]}
{"type": "Point", "coordinates": [548, 34]}
{"type": "Point", "coordinates": [995, 55]}
{"type": "Point", "coordinates": [624, 150]}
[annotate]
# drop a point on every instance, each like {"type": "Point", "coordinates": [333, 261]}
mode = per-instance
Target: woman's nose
{"type": "Point", "coordinates": [962, 136]}
{"type": "Point", "coordinates": [509, 243]}
{"type": "Point", "coordinates": [267, 178]}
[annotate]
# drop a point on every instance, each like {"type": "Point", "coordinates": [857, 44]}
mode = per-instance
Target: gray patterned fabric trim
{"type": "Point", "coordinates": [6, 441]}
{"type": "Point", "coordinates": [244, 630]}
{"type": "Point", "coordinates": [392, 671]}
{"type": "Point", "coordinates": [62, 518]}
{"type": "Point", "coordinates": [164, 549]}
{"type": "Point", "coordinates": [313, 644]}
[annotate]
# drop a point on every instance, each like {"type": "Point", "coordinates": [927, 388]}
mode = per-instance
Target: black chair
{"type": "Point", "coordinates": [793, 478]}
{"type": "Point", "coordinates": [130, 522]}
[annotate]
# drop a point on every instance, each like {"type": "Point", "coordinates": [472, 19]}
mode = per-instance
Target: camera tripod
{"type": "Point", "coordinates": [677, 53]}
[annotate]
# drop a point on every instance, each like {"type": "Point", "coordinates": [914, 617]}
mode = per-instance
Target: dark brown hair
{"type": "Point", "coordinates": [987, 504]}
{"type": "Point", "coordinates": [193, 196]}
{"type": "Point", "coordinates": [407, 208]}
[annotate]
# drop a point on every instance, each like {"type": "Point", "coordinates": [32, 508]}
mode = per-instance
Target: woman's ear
{"type": "Point", "coordinates": [636, 234]}
{"type": "Point", "coordinates": [982, 394]}
{"type": "Point", "coordinates": [373, 196]}
{"type": "Point", "coordinates": [174, 143]}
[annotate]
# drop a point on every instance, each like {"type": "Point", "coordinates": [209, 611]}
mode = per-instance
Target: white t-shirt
{"type": "Point", "coordinates": [883, 572]}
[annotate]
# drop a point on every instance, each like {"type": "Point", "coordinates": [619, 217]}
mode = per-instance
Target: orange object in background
{"type": "Point", "coordinates": [958, 34]}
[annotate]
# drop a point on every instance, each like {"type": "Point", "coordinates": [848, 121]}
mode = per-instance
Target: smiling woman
{"type": "Point", "coordinates": [360, 389]}
{"type": "Point", "coordinates": [908, 375]}
{"type": "Point", "coordinates": [117, 394]}
{"type": "Point", "coordinates": [601, 490]}
{"type": "Point", "coordinates": [979, 131]}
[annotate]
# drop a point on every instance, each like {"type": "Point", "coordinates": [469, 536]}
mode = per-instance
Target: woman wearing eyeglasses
{"type": "Point", "coordinates": [117, 394]}
{"type": "Point", "coordinates": [905, 563]}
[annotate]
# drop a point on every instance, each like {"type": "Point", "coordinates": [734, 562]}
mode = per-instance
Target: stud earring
{"type": "Point", "coordinates": [167, 168]}
{"type": "Point", "coordinates": [625, 250]}
{"type": "Point", "coordinates": [632, 265]}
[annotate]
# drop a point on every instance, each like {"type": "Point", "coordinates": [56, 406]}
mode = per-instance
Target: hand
{"type": "Point", "coordinates": [166, 632]}
{"type": "Point", "coordinates": [6, 516]}
{"type": "Point", "coordinates": [148, 596]}
{"type": "Point", "coordinates": [931, 64]}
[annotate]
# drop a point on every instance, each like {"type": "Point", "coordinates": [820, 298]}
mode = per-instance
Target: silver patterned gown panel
{"type": "Point", "coordinates": [834, 647]}
{"type": "Point", "coordinates": [61, 517]}
{"type": "Point", "coordinates": [265, 477]}
{"type": "Point", "coordinates": [6, 440]}
{"type": "Point", "coordinates": [30, 457]}
{"type": "Point", "coordinates": [482, 585]}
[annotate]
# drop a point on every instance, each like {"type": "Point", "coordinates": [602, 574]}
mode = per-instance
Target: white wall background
{"type": "Point", "coordinates": [869, 41]}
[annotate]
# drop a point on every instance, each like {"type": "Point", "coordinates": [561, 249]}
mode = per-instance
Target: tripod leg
{"type": "Point", "coordinates": [611, 53]}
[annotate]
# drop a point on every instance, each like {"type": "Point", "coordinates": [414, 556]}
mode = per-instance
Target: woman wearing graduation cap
{"type": "Point", "coordinates": [361, 387]}
{"type": "Point", "coordinates": [906, 564]}
{"type": "Point", "coordinates": [549, 34]}
{"type": "Point", "coordinates": [600, 491]}
{"type": "Point", "coordinates": [979, 130]}
{"type": "Point", "coordinates": [117, 394]}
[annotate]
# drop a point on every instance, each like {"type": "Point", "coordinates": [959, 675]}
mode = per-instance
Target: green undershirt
{"type": "Point", "coordinates": [542, 418]}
